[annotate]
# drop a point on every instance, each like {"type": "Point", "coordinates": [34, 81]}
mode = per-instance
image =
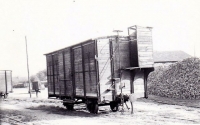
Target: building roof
{"type": "Point", "coordinates": [170, 56]}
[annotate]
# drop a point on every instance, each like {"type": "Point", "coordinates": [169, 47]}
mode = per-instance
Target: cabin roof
{"type": "Point", "coordinates": [169, 56]}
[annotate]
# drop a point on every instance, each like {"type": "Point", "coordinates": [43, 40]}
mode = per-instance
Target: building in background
{"type": "Point", "coordinates": [165, 58]}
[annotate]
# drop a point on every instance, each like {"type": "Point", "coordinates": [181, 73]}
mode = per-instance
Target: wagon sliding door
{"type": "Point", "coordinates": [90, 72]}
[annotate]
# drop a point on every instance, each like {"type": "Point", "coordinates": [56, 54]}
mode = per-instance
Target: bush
{"type": "Point", "coordinates": [179, 80]}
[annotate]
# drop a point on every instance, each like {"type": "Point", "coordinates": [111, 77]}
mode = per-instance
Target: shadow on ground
{"type": "Point", "coordinates": [80, 111]}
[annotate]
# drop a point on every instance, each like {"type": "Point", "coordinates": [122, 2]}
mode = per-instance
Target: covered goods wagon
{"type": "Point", "coordinates": [100, 71]}
{"type": "Point", "coordinates": [5, 82]}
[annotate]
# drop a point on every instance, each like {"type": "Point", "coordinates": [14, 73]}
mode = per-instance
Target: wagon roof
{"type": "Point", "coordinates": [103, 37]}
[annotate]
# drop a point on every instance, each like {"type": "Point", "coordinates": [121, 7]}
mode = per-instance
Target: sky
{"type": "Point", "coordinates": [54, 24]}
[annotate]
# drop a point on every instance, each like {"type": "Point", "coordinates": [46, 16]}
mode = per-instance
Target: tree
{"type": "Point", "coordinates": [32, 78]}
{"type": "Point", "coordinates": [42, 75]}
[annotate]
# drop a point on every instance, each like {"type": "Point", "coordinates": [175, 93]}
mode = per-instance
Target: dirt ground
{"type": "Point", "coordinates": [42, 111]}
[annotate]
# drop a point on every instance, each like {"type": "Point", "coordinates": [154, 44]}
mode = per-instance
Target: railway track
{"type": "Point", "coordinates": [11, 120]}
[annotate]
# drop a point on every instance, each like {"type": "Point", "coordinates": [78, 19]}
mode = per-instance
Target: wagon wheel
{"type": "Point", "coordinates": [93, 108]}
{"type": "Point", "coordinates": [70, 106]}
{"type": "Point", "coordinates": [89, 105]}
{"type": "Point", "coordinates": [114, 106]}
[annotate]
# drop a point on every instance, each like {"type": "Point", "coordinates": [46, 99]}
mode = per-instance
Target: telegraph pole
{"type": "Point", "coordinates": [117, 31]}
{"type": "Point", "coordinates": [28, 67]}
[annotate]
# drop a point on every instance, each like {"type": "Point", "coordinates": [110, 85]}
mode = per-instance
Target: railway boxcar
{"type": "Point", "coordinates": [5, 82]}
{"type": "Point", "coordinates": [96, 71]}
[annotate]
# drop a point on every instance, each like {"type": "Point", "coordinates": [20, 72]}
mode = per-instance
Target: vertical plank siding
{"type": "Point", "coordinates": [145, 47]}
{"type": "Point", "coordinates": [56, 74]}
{"type": "Point", "coordinates": [61, 73]}
{"type": "Point", "coordinates": [68, 73]}
{"type": "Point", "coordinates": [50, 74]}
{"type": "Point", "coordinates": [78, 71]}
{"type": "Point", "coordinates": [121, 55]}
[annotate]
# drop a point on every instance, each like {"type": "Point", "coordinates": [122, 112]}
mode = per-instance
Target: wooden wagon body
{"type": "Point", "coordinates": [93, 71]}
